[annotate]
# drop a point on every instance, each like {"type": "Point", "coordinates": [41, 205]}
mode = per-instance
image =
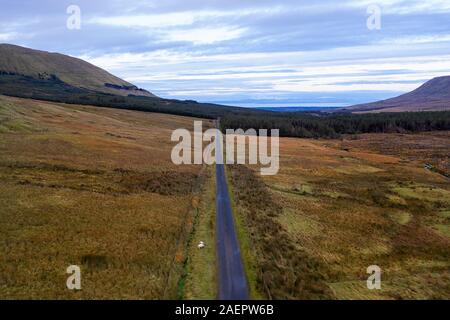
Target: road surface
{"type": "Point", "coordinates": [232, 280]}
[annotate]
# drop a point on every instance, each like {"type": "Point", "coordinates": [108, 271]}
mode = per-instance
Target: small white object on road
{"type": "Point", "coordinates": [201, 245]}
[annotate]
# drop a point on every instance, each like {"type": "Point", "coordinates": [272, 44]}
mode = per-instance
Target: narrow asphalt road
{"type": "Point", "coordinates": [232, 280]}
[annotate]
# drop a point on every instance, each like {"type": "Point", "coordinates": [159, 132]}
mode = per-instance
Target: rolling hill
{"type": "Point", "coordinates": [434, 95]}
{"type": "Point", "coordinates": [16, 60]}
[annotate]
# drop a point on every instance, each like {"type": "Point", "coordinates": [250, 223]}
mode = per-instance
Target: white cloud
{"type": "Point", "coordinates": [203, 35]}
{"type": "Point", "coordinates": [417, 39]}
{"type": "Point", "coordinates": [179, 26]}
{"type": "Point", "coordinates": [315, 87]}
{"type": "Point", "coordinates": [182, 18]}
{"type": "Point", "coordinates": [8, 36]}
{"type": "Point", "coordinates": [147, 21]}
{"type": "Point", "coordinates": [405, 7]}
{"type": "Point", "coordinates": [282, 72]}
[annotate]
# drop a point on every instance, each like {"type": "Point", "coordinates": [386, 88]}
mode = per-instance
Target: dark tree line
{"type": "Point", "coordinates": [333, 125]}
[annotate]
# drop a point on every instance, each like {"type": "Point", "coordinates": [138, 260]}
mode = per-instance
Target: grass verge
{"type": "Point", "coordinates": [198, 281]}
{"type": "Point", "coordinates": [247, 252]}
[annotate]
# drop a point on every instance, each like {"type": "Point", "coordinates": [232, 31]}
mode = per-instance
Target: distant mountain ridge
{"type": "Point", "coordinates": [433, 95]}
{"type": "Point", "coordinates": [16, 60]}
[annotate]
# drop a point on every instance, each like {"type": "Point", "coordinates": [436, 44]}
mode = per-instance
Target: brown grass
{"type": "Point", "coordinates": [284, 272]}
{"type": "Point", "coordinates": [96, 188]}
{"type": "Point", "coordinates": [420, 148]}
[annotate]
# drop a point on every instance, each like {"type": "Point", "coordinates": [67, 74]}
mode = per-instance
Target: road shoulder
{"type": "Point", "coordinates": [199, 282]}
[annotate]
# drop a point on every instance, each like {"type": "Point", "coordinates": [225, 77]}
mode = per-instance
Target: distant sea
{"type": "Point", "coordinates": [297, 109]}
{"type": "Point", "coordinates": [290, 106]}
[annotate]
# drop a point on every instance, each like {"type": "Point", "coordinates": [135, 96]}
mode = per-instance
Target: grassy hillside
{"type": "Point", "coordinates": [70, 70]}
{"type": "Point", "coordinates": [57, 91]}
{"type": "Point", "coordinates": [434, 95]}
{"type": "Point", "coordinates": [94, 187]}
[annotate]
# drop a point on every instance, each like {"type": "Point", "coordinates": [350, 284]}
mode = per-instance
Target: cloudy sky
{"type": "Point", "coordinates": [252, 52]}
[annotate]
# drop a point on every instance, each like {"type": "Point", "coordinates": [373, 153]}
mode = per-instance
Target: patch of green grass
{"type": "Point", "coordinates": [296, 223]}
{"type": "Point", "coordinates": [445, 214]}
{"type": "Point", "coordinates": [10, 123]}
{"type": "Point", "coordinates": [394, 199]}
{"type": "Point", "coordinates": [415, 287]}
{"type": "Point", "coordinates": [357, 290]}
{"type": "Point", "coordinates": [334, 194]}
{"type": "Point", "coordinates": [200, 281]}
{"type": "Point", "coordinates": [401, 217]}
{"type": "Point", "coordinates": [443, 229]}
{"type": "Point", "coordinates": [357, 169]}
{"type": "Point", "coordinates": [299, 190]}
{"type": "Point", "coordinates": [303, 189]}
{"type": "Point", "coordinates": [12, 120]}
{"type": "Point", "coordinates": [422, 192]}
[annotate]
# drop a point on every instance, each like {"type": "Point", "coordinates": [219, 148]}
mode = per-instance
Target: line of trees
{"type": "Point", "coordinates": [333, 125]}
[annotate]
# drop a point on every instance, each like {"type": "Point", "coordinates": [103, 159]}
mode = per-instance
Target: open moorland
{"type": "Point", "coordinates": [339, 206]}
{"type": "Point", "coordinates": [426, 148]}
{"type": "Point", "coordinates": [93, 187]}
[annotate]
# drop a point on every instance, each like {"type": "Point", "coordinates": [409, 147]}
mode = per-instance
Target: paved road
{"type": "Point", "coordinates": [232, 280]}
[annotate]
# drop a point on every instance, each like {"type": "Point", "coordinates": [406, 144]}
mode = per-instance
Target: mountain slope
{"type": "Point", "coordinates": [434, 95]}
{"type": "Point", "coordinates": [72, 71]}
